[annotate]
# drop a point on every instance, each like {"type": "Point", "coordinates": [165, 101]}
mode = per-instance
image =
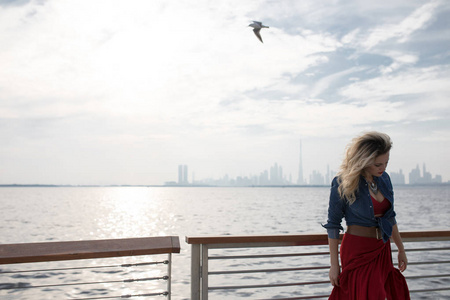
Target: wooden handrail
{"type": "Point", "coordinates": [56, 251]}
{"type": "Point", "coordinates": [304, 239]}
{"type": "Point", "coordinates": [308, 239]}
{"type": "Point", "coordinates": [419, 236]}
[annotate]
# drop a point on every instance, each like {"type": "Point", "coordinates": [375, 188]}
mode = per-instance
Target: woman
{"type": "Point", "coordinates": [362, 193]}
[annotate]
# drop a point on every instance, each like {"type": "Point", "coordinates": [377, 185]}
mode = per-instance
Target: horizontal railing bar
{"type": "Point", "coordinates": [303, 297]}
{"type": "Point", "coordinates": [423, 249]}
{"type": "Point", "coordinates": [285, 244]}
{"type": "Point", "coordinates": [71, 250]}
{"type": "Point", "coordinates": [268, 255]}
{"type": "Point", "coordinates": [427, 276]}
{"type": "Point", "coordinates": [421, 236]}
{"type": "Point", "coordinates": [268, 270]}
{"type": "Point", "coordinates": [230, 287]}
{"type": "Point", "coordinates": [82, 268]}
{"type": "Point", "coordinates": [86, 283]}
{"type": "Point", "coordinates": [257, 245]}
{"type": "Point", "coordinates": [298, 240]}
{"type": "Point", "coordinates": [430, 290]}
{"type": "Point", "coordinates": [124, 296]}
{"type": "Point", "coordinates": [429, 262]}
{"type": "Point", "coordinates": [303, 283]}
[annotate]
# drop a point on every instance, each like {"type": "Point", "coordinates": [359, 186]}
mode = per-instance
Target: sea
{"type": "Point", "coordinates": [47, 214]}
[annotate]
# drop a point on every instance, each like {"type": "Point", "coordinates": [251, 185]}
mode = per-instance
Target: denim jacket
{"type": "Point", "coordinates": [361, 211]}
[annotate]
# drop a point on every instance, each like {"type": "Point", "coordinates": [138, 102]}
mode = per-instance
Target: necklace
{"type": "Point", "coordinates": [373, 186]}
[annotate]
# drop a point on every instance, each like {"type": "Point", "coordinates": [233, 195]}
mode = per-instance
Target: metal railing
{"type": "Point", "coordinates": [35, 258]}
{"type": "Point", "coordinates": [314, 272]}
{"type": "Point", "coordinates": [215, 263]}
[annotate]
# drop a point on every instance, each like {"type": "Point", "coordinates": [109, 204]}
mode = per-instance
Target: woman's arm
{"type": "Point", "coordinates": [402, 260]}
{"type": "Point", "coordinates": [334, 260]}
{"type": "Point", "coordinates": [336, 210]}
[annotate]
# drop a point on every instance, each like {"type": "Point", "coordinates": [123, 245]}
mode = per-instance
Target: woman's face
{"type": "Point", "coordinates": [379, 166]}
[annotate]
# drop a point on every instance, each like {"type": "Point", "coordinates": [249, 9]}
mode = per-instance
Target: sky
{"type": "Point", "coordinates": [122, 92]}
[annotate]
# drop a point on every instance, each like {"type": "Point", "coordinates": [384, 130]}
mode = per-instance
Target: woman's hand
{"type": "Point", "coordinates": [402, 260]}
{"type": "Point", "coordinates": [334, 275]}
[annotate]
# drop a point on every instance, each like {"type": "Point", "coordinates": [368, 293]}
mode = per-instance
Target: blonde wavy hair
{"type": "Point", "coordinates": [360, 153]}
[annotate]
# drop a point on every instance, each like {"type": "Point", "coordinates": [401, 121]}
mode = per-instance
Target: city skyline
{"type": "Point", "coordinates": [274, 176]}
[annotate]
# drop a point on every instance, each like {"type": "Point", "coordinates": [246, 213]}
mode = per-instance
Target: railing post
{"type": "Point", "coordinates": [195, 272]}
{"type": "Point", "coordinates": [169, 280]}
{"type": "Point", "coordinates": [204, 271]}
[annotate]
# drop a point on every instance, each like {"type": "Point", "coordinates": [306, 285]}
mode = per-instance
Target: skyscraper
{"type": "Point", "coordinates": [276, 174]}
{"type": "Point", "coordinates": [182, 174]}
{"type": "Point", "coordinates": [414, 175]}
{"type": "Point", "coordinates": [185, 175]}
{"type": "Point", "coordinates": [300, 179]}
{"type": "Point", "coordinates": [328, 176]}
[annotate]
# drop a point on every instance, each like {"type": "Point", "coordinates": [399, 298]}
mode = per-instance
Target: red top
{"type": "Point", "coordinates": [380, 208]}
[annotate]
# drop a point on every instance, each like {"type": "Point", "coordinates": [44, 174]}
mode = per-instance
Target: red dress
{"type": "Point", "coordinates": [367, 269]}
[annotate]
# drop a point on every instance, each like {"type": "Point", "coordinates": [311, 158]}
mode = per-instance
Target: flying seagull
{"type": "Point", "coordinates": [257, 28]}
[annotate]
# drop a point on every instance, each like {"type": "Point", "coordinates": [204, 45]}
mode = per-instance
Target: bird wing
{"type": "Point", "coordinates": [258, 35]}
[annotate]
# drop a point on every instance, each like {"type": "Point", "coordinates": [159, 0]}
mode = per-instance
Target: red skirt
{"type": "Point", "coordinates": [368, 272]}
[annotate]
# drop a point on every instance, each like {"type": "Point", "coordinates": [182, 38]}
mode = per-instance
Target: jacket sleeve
{"type": "Point", "coordinates": [336, 208]}
{"type": "Point", "coordinates": [386, 222]}
{"type": "Point", "coordinates": [391, 216]}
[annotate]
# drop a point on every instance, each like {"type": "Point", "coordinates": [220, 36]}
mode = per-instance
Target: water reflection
{"type": "Point", "coordinates": [38, 214]}
{"type": "Point", "coordinates": [130, 212]}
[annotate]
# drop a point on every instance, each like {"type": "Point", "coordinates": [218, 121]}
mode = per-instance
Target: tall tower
{"type": "Point", "coordinates": [328, 176]}
{"type": "Point", "coordinates": [180, 174]}
{"type": "Point", "coordinates": [185, 175]}
{"type": "Point", "coordinates": [300, 179]}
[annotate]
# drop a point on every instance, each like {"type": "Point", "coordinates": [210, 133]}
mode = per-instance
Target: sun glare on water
{"type": "Point", "coordinates": [132, 212]}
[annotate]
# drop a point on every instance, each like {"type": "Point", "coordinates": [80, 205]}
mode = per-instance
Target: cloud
{"type": "Point", "coordinates": [411, 81]}
{"type": "Point", "coordinates": [130, 63]}
{"type": "Point", "coordinates": [436, 136]}
{"type": "Point", "coordinates": [421, 94]}
{"type": "Point", "coordinates": [399, 60]}
{"type": "Point", "coordinates": [325, 82]}
{"type": "Point", "coordinates": [7, 3]}
{"type": "Point", "coordinates": [401, 31]}
{"type": "Point", "coordinates": [183, 81]}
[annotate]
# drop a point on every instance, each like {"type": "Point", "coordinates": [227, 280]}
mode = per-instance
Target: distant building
{"type": "Point", "coordinates": [414, 175]}
{"type": "Point", "coordinates": [300, 180]}
{"type": "Point", "coordinates": [427, 178]}
{"type": "Point", "coordinates": [183, 174]}
{"type": "Point", "coordinates": [397, 178]}
{"type": "Point", "coordinates": [316, 178]}
{"type": "Point", "coordinates": [276, 175]}
{"type": "Point", "coordinates": [180, 174]}
{"type": "Point", "coordinates": [264, 178]}
{"type": "Point", "coordinates": [243, 181]}
{"type": "Point", "coordinates": [328, 176]}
